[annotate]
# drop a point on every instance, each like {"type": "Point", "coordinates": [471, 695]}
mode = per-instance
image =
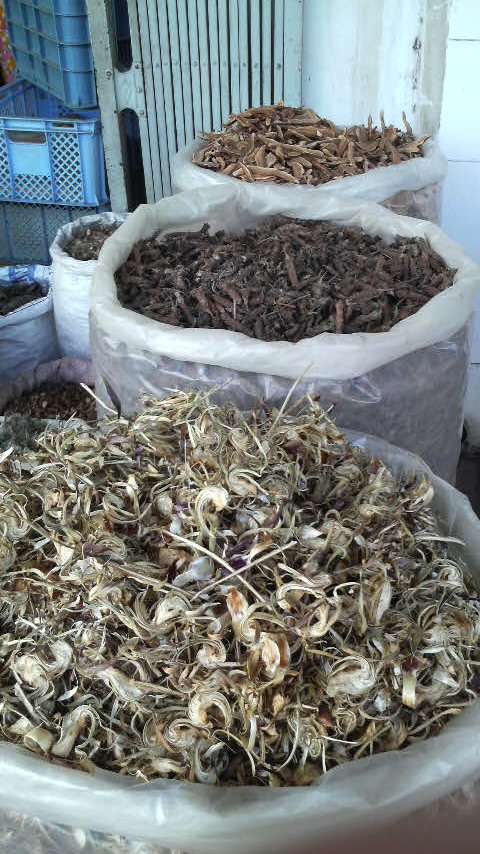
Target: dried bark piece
{"type": "Point", "coordinates": [260, 156]}
{"type": "Point", "coordinates": [339, 307]}
{"type": "Point", "coordinates": [274, 173]}
{"type": "Point", "coordinates": [297, 169]}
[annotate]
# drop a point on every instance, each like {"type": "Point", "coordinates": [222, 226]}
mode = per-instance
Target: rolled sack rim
{"type": "Point", "coordinates": [376, 185]}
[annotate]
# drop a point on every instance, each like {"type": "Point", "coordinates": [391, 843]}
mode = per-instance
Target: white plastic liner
{"type": "Point", "coordinates": [202, 819]}
{"type": "Point", "coordinates": [411, 188]}
{"type": "Point", "coordinates": [407, 384]}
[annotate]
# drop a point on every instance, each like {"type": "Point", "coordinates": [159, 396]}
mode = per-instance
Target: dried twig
{"type": "Point", "coordinates": [339, 307]}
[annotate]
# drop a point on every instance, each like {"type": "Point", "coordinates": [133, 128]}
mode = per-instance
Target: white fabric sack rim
{"type": "Point", "coordinates": [376, 185]}
{"type": "Point", "coordinates": [69, 230]}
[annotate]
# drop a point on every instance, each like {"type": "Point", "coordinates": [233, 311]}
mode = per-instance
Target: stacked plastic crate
{"type": "Point", "coordinates": [51, 155]}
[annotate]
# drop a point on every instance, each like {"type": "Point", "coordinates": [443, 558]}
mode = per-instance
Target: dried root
{"type": "Point", "coordinates": [287, 280]}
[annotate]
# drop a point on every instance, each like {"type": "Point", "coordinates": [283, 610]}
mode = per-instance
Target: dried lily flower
{"type": "Point", "coordinates": [199, 596]}
{"type": "Point", "coordinates": [295, 146]}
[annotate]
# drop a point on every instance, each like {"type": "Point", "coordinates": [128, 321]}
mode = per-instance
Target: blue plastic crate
{"type": "Point", "coordinates": [47, 153]}
{"type": "Point", "coordinates": [28, 231]}
{"type": "Point", "coordinates": [51, 43]}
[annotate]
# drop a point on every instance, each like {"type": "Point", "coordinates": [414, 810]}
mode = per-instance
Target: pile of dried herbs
{"type": "Point", "coordinates": [19, 431]}
{"type": "Point", "coordinates": [287, 280]}
{"type": "Point", "coordinates": [294, 145]}
{"type": "Point", "coordinates": [15, 296]}
{"type": "Point", "coordinates": [86, 245]}
{"type": "Point", "coordinates": [199, 596]}
{"type": "Point", "coordinates": [54, 400]}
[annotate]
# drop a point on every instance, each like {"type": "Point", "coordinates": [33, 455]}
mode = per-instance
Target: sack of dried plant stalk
{"type": "Point", "coordinates": [74, 254]}
{"type": "Point", "coordinates": [406, 384]}
{"type": "Point", "coordinates": [277, 151]}
{"type": "Point", "coordinates": [52, 391]}
{"type": "Point", "coordinates": [27, 327]}
{"type": "Point", "coordinates": [391, 653]}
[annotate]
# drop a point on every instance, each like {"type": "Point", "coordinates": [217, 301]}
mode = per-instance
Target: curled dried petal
{"type": "Point", "coordinates": [206, 701]}
{"type": "Point", "coordinates": [73, 724]}
{"type": "Point", "coordinates": [7, 554]}
{"type": "Point", "coordinates": [352, 676]}
{"type": "Point", "coordinates": [39, 740]}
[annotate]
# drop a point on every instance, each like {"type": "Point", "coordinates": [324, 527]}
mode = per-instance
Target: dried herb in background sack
{"type": "Point", "coordinates": [86, 246]}
{"type": "Point", "coordinates": [62, 401]}
{"type": "Point", "coordinates": [16, 296]}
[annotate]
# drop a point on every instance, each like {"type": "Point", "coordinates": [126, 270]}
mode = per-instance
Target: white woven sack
{"type": "Point", "coordinates": [71, 283]}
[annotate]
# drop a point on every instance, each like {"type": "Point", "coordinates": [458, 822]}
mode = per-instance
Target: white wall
{"type": "Point", "coordinates": [361, 56]}
{"type": "Point", "coordinates": [460, 139]}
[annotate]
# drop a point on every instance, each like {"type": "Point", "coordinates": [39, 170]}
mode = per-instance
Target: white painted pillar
{"type": "Point", "coordinates": [361, 56]}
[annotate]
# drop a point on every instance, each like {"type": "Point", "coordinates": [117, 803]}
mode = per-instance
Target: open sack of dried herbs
{"type": "Point", "coordinates": [276, 150]}
{"type": "Point", "coordinates": [220, 630]}
{"type": "Point", "coordinates": [27, 327]}
{"type": "Point", "coordinates": [74, 255]}
{"type": "Point", "coordinates": [50, 392]}
{"type": "Point", "coordinates": [326, 296]}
